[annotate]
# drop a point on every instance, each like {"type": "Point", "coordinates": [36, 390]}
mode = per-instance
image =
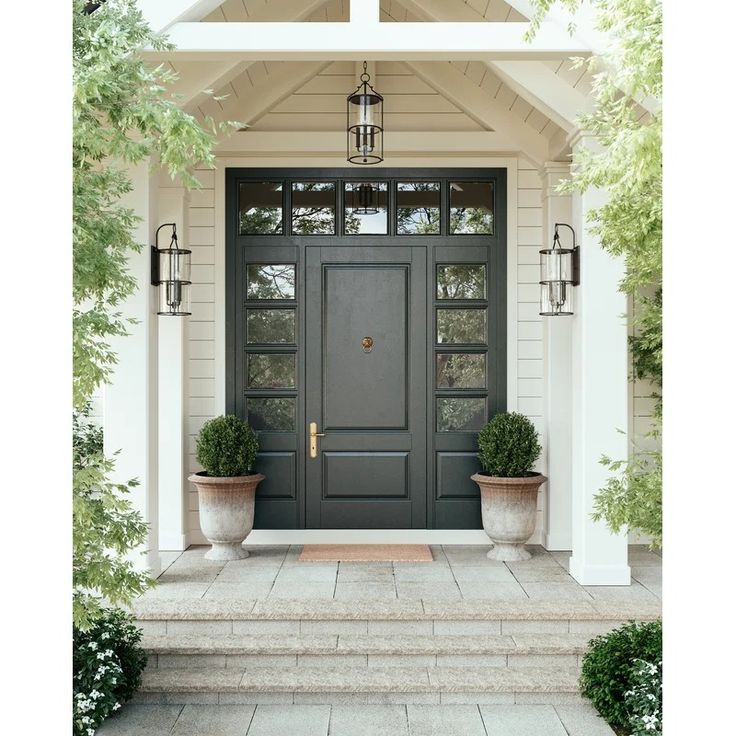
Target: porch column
{"type": "Point", "coordinates": [130, 414]}
{"type": "Point", "coordinates": [173, 206]}
{"type": "Point", "coordinates": [599, 396]}
{"type": "Point", "coordinates": [557, 379]}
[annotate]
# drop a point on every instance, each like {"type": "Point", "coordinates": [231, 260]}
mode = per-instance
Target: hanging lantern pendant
{"type": "Point", "coordinates": [559, 272]}
{"type": "Point", "coordinates": [365, 123]}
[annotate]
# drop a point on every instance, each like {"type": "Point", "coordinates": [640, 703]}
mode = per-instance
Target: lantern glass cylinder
{"type": "Point", "coordinates": [365, 126]}
{"type": "Point", "coordinates": [174, 264]}
{"type": "Point", "coordinates": [174, 298]}
{"type": "Point", "coordinates": [556, 269]}
{"type": "Point", "coordinates": [174, 274]}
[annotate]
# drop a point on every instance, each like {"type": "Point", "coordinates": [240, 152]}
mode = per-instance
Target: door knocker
{"type": "Point", "coordinates": [367, 343]}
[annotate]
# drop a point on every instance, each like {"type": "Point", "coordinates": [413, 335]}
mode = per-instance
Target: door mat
{"type": "Point", "coordinates": [366, 553]}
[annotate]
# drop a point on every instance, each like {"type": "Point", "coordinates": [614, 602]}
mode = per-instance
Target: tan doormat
{"type": "Point", "coordinates": [366, 553]}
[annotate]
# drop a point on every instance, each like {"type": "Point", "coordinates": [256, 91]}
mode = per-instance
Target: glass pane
{"type": "Point", "coordinates": [366, 208]}
{"type": "Point", "coordinates": [274, 415]}
{"type": "Point", "coordinates": [460, 415]}
{"type": "Point", "coordinates": [418, 208]}
{"type": "Point", "coordinates": [471, 207]}
{"type": "Point", "coordinates": [461, 326]}
{"type": "Point", "coordinates": [272, 281]}
{"type": "Point", "coordinates": [271, 326]}
{"type": "Point", "coordinates": [461, 281]}
{"type": "Point", "coordinates": [313, 208]}
{"type": "Point", "coordinates": [271, 370]}
{"type": "Point", "coordinates": [261, 205]}
{"type": "Point", "coordinates": [461, 370]}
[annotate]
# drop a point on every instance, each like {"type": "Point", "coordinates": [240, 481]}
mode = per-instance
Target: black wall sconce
{"type": "Point", "coordinates": [365, 123]}
{"type": "Point", "coordinates": [171, 272]}
{"type": "Point", "coordinates": [559, 271]}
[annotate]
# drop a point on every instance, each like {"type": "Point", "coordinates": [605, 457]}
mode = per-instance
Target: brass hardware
{"type": "Point", "coordinates": [313, 434]}
{"type": "Point", "coordinates": [367, 343]}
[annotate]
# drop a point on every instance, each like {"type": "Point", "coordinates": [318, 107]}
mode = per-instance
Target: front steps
{"type": "Point", "coordinates": [400, 652]}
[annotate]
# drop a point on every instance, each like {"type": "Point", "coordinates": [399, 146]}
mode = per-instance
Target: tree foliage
{"type": "Point", "coordinates": [628, 165]}
{"type": "Point", "coordinates": [122, 115]}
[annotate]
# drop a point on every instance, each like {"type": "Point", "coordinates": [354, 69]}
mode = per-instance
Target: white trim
{"type": "Point", "coordinates": [220, 281]}
{"type": "Point", "coordinates": [358, 41]}
{"type": "Point", "coordinates": [512, 286]}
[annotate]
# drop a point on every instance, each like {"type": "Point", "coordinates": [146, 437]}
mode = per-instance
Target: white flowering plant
{"type": "Point", "coordinates": [644, 699]}
{"type": "Point", "coordinates": [108, 662]}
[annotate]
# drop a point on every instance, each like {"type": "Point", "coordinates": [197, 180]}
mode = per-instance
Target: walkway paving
{"type": "Point", "coordinates": [364, 720]}
{"type": "Point", "coordinates": [456, 573]}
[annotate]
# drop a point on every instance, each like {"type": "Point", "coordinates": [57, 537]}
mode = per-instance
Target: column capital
{"type": "Point", "coordinates": [552, 173]}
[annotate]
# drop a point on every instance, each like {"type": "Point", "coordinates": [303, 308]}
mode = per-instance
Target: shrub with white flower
{"type": "Point", "coordinates": [108, 662]}
{"type": "Point", "coordinates": [644, 699]}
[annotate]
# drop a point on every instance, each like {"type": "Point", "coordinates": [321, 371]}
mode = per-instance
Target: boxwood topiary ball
{"type": "Point", "coordinates": [227, 446]}
{"type": "Point", "coordinates": [508, 446]}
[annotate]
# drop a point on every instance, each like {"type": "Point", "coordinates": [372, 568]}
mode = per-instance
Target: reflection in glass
{"type": "Point", "coordinates": [271, 370]}
{"type": "Point", "coordinates": [461, 370]}
{"type": "Point", "coordinates": [417, 208]}
{"type": "Point", "coordinates": [461, 281]}
{"type": "Point", "coordinates": [471, 207]}
{"type": "Point", "coordinates": [270, 326]}
{"type": "Point", "coordinates": [366, 208]}
{"type": "Point", "coordinates": [461, 326]}
{"type": "Point", "coordinates": [313, 208]}
{"type": "Point", "coordinates": [460, 415]}
{"type": "Point", "coordinates": [261, 205]}
{"type": "Point", "coordinates": [271, 281]}
{"type": "Point", "coordinates": [274, 415]}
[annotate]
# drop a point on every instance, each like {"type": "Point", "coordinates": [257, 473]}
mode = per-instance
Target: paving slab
{"type": "Point", "coordinates": [290, 720]}
{"type": "Point", "coordinates": [141, 720]}
{"type": "Point", "coordinates": [514, 720]}
{"type": "Point", "coordinates": [214, 720]}
{"type": "Point", "coordinates": [369, 720]}
{"type": "Point", "coordinates": [583, 720]}
{"type": "Point", "coordinates": [445, 720]}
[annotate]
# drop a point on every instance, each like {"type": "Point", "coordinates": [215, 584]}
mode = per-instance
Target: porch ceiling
{"type": "Point", "coordinates": [528, 95]}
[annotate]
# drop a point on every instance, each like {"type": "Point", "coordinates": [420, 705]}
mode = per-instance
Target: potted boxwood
{"type": "Point", "coordinates": [226, 449]}
{"type": "Point", "coordinates": [508, 447]}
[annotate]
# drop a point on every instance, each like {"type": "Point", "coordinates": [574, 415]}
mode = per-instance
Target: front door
{"type": "Point", "coordinates": [366, 343]}
{"type": "Point", "coordinates": [371, 304]}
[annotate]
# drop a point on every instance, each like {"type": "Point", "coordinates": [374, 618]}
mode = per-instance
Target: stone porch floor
{"type": "Point", "coordinates": [457, 573]}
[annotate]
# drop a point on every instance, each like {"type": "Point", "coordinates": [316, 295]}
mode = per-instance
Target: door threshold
{"type": "Point", "coordinates": [368, 536]}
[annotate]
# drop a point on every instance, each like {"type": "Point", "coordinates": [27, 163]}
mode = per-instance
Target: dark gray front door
{"type": "Point", "coordinates": [366, 343]}
{"type": "Point", "coordinates": [379, 316]}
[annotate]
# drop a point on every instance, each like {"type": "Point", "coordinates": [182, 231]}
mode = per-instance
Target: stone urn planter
{"type": "Point", "coordinates": [509, 510]}
{"type": "Point", "coordinates": [227, 448]}
{"type": "Point", "coordinates": [508, 447]}
{"type": "Point", "coordinates": [226, 510]}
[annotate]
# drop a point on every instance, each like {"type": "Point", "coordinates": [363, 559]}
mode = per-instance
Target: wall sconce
{"type": "Point", "coordinates": [365, 123]}
{"type": "Point", "coordinates": [170, 271]}
{"type": "Point", "coordinates": [559, 271]}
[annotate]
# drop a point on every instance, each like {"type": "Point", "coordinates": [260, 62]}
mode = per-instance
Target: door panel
{"type": "Point", "coordinates": [370, 468]}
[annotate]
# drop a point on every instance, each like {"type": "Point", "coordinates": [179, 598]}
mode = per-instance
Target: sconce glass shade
{"type": "Point", "coordinates": [365, 123]}
{"type": "Point", "coordinates": [171, 270]}
{"type": "Point", "coordinates": [557, 276]}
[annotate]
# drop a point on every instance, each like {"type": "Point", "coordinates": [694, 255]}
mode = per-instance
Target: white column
{"type": "Point", "coordinates": [600, 397]}
{"type": "Point", "coordinates": [173, 201]}
{"type": "Point", "coordinates": [130, 414]}
{"type": "Point", "coordinates": [557, 379]}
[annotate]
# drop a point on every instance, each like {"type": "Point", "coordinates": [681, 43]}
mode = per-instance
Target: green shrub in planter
{"type": "Point", "coordinates": [609, 669]}
{"type": "Point", "coordinates": [108, 662]}
{"type": "Point", "coordinates": [227, 446]}
{"type": "Point", "coordinates": [508, 446]}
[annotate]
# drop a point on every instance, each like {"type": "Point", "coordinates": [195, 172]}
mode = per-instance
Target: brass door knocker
{"type": "Point", "coordinates": [367, 343]}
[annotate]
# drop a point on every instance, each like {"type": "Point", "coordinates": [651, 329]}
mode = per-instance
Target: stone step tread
{"type": "Point", "coordinates": [363, 680]}
{"type": "Point", "coordinates": [200, 609]}
{"type": "Point", "coordinates": [368, 644]}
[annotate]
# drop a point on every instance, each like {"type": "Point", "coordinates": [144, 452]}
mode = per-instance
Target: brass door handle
{"type": "Point", "coordinates": [313, 434]}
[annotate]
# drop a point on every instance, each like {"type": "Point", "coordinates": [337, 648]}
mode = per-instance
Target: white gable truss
{"type": "Point", "coordinates": [244, 59]}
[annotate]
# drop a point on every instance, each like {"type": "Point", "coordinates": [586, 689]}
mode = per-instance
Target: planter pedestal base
{"type": "Point", "coordinates": [508, 552]}
{"type": "Point", "coordinates": [225, 551]}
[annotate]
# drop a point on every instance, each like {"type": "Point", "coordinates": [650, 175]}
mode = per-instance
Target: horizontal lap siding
{"type": "Point", "coordinates": [529, 340]}
{"type": "Point", "coordinates": [202, 347]}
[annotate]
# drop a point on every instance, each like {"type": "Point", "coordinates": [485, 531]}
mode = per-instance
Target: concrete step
{"type": "Point", "coordinates": [351, 650]}
{"type": "Point", "coordinates": [400, 685]}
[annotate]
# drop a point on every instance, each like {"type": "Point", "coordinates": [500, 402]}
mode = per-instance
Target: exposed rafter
{"type": "Point", "coordinates": [378, 41]}
{"type": "Point", "coordinates": [481, 107]}
{"type": "Point", "coordinates": [160, 14]}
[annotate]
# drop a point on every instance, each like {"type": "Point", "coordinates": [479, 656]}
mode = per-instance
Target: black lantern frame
{"type": "Point", "coordinates": [365, 199]}
{"type": "Point", "coordinates": [559, 271]}
{"type": "Point", "coordinates": [365, 123]}
{"type": "Point", "coordinates": [170, 272]}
